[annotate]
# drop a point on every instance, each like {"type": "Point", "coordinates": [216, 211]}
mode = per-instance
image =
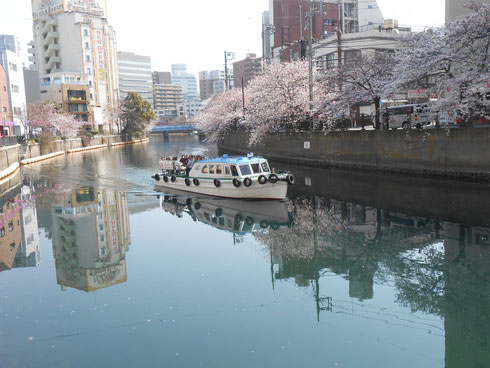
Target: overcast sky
{"type": "Point", "coordinates": [197, 32]}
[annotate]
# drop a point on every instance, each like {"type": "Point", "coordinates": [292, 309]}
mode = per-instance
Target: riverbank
{"type": "Point", "coordinates": [12, 157]}
{"type": "Point", "coordinates": [459, 153]}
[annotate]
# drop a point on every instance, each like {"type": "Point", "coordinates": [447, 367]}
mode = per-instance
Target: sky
{"type": "Point", "coordinates": [197, 32]}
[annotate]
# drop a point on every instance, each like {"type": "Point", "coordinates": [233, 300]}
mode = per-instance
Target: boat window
{"type": "Point", "coordinates": [245, 169]}
{"type": "Point", "coordinates": [234, 170]}
{"type": "Point", "coordinates": [219, 170]}
{"type": "Point", "coordinates": [205, 169]}
{"type": "Point", "coordinates": [227, 170]}
{"type": "Point", "coordinates": [255, 168]}
{"type": "Point", "coordinates": [265, 167]}
{"type": "Point", "coordinates": [211, 169]}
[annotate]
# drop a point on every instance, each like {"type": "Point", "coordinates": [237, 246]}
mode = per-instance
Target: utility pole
{"type": "Point", "coordinates": [228, 56]}
{"type": "Point", "coordinates": [310, 61]}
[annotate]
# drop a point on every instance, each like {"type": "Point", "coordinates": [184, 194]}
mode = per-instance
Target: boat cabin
{"type": "Point", "coordinates": [230, 167]}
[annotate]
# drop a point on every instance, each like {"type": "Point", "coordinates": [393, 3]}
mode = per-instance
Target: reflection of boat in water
{"type": "Point", "coordinates": [235, 215]}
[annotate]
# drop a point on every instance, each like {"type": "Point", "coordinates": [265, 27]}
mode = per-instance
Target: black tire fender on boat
{"type": "Point", "coordinates": [273, 178]}
{"type": "Point", "coordinates": [237, 183]}
{"type": "Point", "coordinates": [196, 182]}
{"type": "Point", "coordinates": [264, 224]}
{"type": "Point", "coordinates": [197, 206]}
{"type": "Point", "coordinates": [262, 179]}
{"type": "Point", "coordinates": [290, 179]}
{"type": "Point", "coordinates": [173, 179]}
{"type": "Point", "coordinates": [187, 182]}
{"type": "Point", "coordinates": [249, 221]}
{"type": "Point", "coordinates": [238, 218]}
{"type": "Point", "coordinates": [218, 212]}
{"type": "Point", "coordinates": [247, 182]}
{"type": "Point", "coordinates": [217, 183]}
{"type": "Point", "coordinates": [189, 202]}
{"type": "Point", "coordinates": [157, 177]}
{"type": "Point", "coordinates": [165, 178]}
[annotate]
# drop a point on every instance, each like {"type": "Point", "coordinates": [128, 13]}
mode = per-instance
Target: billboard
{"type": "Point", "coordinates": [42, 8]}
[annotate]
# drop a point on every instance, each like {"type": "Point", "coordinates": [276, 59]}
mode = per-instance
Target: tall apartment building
{"type": "Point", "coordinates": [211, 82]}
{"type": "Point", "coordinates": [246, 69]}
{"type": "Point", "coordinates": [11, 61]}
{"type": "Point", "coordinates": [73, 36]}
{"type": "Point", "coordinates": [135, 75]}
{"type": "Point", "coordinates": [454, 8]}
{"type": "Point", "coordinates": [168, 100]}
{"type": "Point", "coordinates": [188, 82]}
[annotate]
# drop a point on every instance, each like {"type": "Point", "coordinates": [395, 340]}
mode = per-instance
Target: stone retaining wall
{"type": "Point", "coordinates": [461, 153]}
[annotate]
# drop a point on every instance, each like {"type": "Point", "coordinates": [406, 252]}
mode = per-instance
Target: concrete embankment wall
{"type": "Point", "coordinates": [459, 153]}
{"type": "Point", "coordinates": [12, 154]}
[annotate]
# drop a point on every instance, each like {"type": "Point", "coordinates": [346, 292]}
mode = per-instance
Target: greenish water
{"type": "Point", "coordinates": [97, 269]}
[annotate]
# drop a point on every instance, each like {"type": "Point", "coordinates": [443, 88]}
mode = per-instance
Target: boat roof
{"type": "Point", "coordinates": [236, 160]}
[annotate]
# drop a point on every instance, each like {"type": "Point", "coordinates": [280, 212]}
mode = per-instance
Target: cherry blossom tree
{"type": "Point", "coordinates": [452, 60]}
{"type": "Point", "coordinates": [279, 99]}
{"type": "Point", "coordinates": [52, 120]}
{"type": "Point", "coordinates": [359, 81]}
{"type": "Point", "coordinates": [220, 113]}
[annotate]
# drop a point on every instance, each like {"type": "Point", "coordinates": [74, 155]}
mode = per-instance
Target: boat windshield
{"type": "Point", "coordinates": [255, 168]}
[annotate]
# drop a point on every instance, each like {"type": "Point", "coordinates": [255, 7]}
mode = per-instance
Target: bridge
{"type": "Point", "coordinates": [169, 129]}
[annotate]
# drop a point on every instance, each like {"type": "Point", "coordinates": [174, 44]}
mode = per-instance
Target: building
{"type": "Point", "coordinates": [11, 60]}
{"type": "Point", "coordinates": [267, 30]}
{"type": "Point", "coordinates": [72, 36]}
{"type": "Point", "coordinates": [246, 69]}
{"type": "Point", "coordinates": [91, 236]}
{"type": "Point", "coordinates": [168, 101]}
{"type": "Point", "coordinates": [290, 23]}
{"type": "Point", "coordinates": [31, 77]}
{"type": "Point", "coordinates": [29, 252]}
{"type": "Point", "coordinates": [10, 228]}
{"type": "Point", "coordinates": [72, 91]}
{"type": "Point", "coordinates": [455, 8]}
{"type": "Point", "coordinates": [162, 77]}
{"type": "Point", "coordinates": [5, 113]}
{"type": "Point", "coordinates": [135, 75]}
{"type": "Point", "coordinates": [188, 82]}
{"type": "Point", "coordinates": [211, 82]}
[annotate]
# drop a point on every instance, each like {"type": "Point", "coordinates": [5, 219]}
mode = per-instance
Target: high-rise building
{"type": "Point", "coordinates": [168, 100]}
{"type": "Point", "coordinates": [11, 60]}
{"type": "Point", "coordinates": [246, 69]}
{"type": "Point", "coordinates": [267, 31]}
{"type": "Point", "coordinates": [135, 75]}
{"type": "Point", "coordinates": [211, 82]}
{"type": "Point", "coordinates": [5, 114]}
{"type": "Point", "coordinates": [455, 8]}
{"type": "Point", "coordinates": [188, 82]}
{"type": "Point", "coordinates": [73, 36]}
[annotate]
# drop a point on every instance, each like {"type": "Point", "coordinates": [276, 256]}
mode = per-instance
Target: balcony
{"type": "Point", "coordinates": [51, 37]}
{"type": "Point", "coordinates": [49, 25]}
{"type": "Point", "coordinates": [52, 63]}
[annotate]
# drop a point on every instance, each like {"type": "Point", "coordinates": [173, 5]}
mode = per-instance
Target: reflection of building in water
{"type": "Point", "coordinates": [91, 236]}
{"type": "Point", "coordinates": [28, 254]}
{"type": "Point", "coordinates": [10, 228]}
{"type": "Point", "coordinates": [466, 300]}
{"type": "Point", "coordinates": [343, 238]}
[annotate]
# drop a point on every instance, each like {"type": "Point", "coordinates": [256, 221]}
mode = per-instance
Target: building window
{"type": "Point", "coordinates": [87, 46]}
{"type": "Point", "coordinates": [13, 67]}
{"type": "Point", "coordinates": [4, 109]}
{"type": "Point", "coordinates": [85, 32]}
{"type": "Point", "coordinates": [11, 226]}
{"type": "Point", "coordinates": [15, 89]}
{"type": "Point", "coordinates": [328, 22]}
{"type": "Point", "coordinates": [89, 70]}
{"type": "Point", "coordinates": [17, 111]}
{"type": "Point", "coordinates": [87, 58]}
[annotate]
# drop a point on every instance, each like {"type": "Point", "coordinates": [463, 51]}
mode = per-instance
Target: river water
{"type": "Point", "coordinates": [353, 270]}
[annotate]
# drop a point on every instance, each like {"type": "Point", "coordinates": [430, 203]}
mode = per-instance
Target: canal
{"type": "Point", "coordinates": [353, 270]}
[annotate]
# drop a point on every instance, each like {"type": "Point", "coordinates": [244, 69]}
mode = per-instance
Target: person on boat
{"type": "Point", "coordinates": [189, 164]}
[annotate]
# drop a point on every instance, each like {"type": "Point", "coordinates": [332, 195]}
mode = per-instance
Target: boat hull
{"type": "Point", "coordinates": [269, 191]}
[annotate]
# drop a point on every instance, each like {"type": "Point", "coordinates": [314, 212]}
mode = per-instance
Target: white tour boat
{"type": "Point", "coordinates": [231, 177]}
